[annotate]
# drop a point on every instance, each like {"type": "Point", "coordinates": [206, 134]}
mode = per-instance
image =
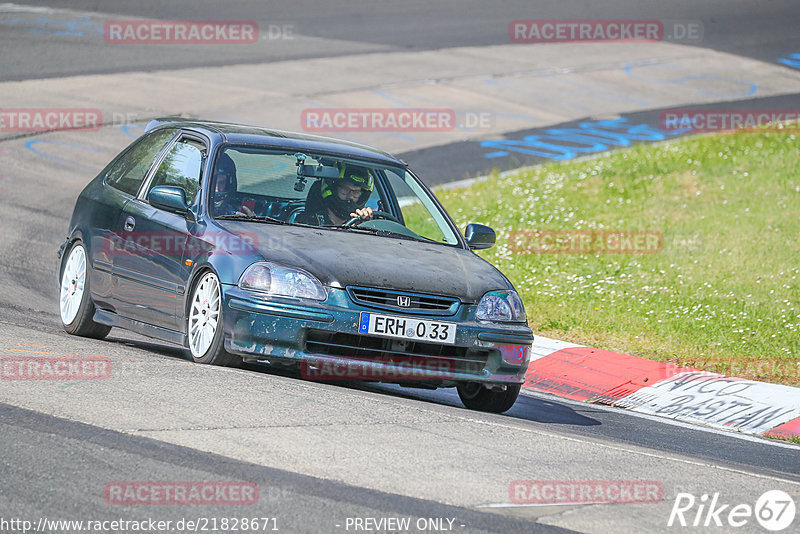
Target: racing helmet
{"type": "Point", "coordinates": [352, 174]}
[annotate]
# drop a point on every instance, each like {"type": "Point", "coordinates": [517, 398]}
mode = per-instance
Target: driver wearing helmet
{"type": "Point", "coordinates": [334, 201]}
{"type": "Point", "coordinates": [223, 201]}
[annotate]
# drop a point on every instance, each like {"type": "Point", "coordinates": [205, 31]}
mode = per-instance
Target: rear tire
{"type": "Point", "coordinates": [476, 397]}
{"type": "Point", "coordinates": [204, 327]}
{"type": "Point", "coordinates": [75, 301]}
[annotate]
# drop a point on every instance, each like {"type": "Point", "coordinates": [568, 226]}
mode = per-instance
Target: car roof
{"type": "Point", "coordinates": [244, 134]}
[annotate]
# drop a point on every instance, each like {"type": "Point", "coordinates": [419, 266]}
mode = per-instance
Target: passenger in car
{"type": "Point", "coordinates": [225, 200]}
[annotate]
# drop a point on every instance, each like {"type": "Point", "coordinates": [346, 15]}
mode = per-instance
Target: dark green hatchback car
{"type": "Point", "coordinates": [248, 244]}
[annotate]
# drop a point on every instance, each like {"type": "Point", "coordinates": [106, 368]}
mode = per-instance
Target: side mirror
{"type": "Point", "coordinates": [479, 236]}
{"type": "Point", "coordinates": [170, 198]}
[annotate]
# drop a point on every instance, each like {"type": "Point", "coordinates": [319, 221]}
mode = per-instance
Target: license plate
{"type": "Point", "coordinates": [407, 328]}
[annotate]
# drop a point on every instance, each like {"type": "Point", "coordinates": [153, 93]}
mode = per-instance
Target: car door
{"type": "Point", "coordinates": [122, 181]}
{"type": "Point", "coordinates": [150, 277]}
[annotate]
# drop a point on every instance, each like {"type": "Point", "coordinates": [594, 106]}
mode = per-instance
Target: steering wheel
{"type": "Point", "coordinates": [355, 221]}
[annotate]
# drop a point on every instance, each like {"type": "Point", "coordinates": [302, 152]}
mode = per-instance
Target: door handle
{"type": "Point", "coordinates": [130, 224]}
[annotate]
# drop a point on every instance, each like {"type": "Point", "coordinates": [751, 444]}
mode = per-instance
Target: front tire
{"type": "Point", "coordinates": [205, 332]}
{"type": "Point", "coordinates": [75, 303]}
{"type": "Point", "coordinates": [477, 397]}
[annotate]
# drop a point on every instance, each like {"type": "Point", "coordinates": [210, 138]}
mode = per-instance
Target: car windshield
{"type": "Point", "coordinates": [302, 188]}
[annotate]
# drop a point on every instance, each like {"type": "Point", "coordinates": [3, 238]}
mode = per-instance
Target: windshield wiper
{"type": "Point", "coordinates": [375, 231]}
{"type": "Point", "coordinates": [256, 218]}
{"type": "Point", "coordinates": [378, 231]}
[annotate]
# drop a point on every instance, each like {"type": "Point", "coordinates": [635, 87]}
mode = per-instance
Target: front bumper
{"type": "Point", "coordinates": [323, 338]}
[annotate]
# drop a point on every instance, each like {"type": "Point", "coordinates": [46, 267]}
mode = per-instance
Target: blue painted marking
{"type": "Point", "coordinates": [29, 145]}
{"type": "Point", "coordinates": [363, 326]}
{"type": "Point", "coordinates": [560, 144]}
{"type": "Point", "coordinates": [77, 27]}
{"type": "Point", "coordinates": [127, 129]}
{"type": "Point", "coordinates": [389, 97]}
{"type": "Point", "coordinates": [62, 27]}
{"type": "Point", "coordinates": [398, 102]}
{"type": "Point", "coordinates": [792, 61]}
{"type": "Point", "coordinates": [751, 87]}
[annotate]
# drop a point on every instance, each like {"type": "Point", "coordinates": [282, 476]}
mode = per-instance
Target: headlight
{"type": "Point", "coordinates": [501, 306]}
{"type": "Point", "coordinates": [278, 280]}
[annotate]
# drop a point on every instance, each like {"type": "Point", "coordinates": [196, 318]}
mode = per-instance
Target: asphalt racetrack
{"type": "Point", "coordinates": [333, 457]}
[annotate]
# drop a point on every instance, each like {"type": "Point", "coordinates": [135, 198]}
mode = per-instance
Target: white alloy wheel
{"type": "Point", "coordinates": [73, 283]}
{"type": "Point", "coordinates": [204, 315]}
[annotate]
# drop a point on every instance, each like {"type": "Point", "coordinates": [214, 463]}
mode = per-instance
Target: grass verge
{"type": "Point", "coordinates": [721, 295]}
{"type": "Point", "coordinates": [792, 439]}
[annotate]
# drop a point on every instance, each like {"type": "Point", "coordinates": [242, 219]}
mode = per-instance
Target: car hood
{"type": "Point", "coordinates": [343, 258]}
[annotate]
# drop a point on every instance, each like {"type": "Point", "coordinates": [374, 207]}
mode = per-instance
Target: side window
{"type": "Point", "coordinates": [181, 168]}
{"type": "Point", "coordinates": [417, 209]}
{"type": "Point", "coordinates": [129, 171]}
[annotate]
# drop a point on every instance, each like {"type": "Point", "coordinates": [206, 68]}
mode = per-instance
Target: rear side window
{"type": "Point", "coordinates": [129, 171]}
{"type": "Point", "coordinates": [180, 167]}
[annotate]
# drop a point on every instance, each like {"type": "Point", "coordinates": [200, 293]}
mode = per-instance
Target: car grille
{"type": "Point", "coordinates": [378, 349]}
{"type": "Point", "coordinates": [416, 303]}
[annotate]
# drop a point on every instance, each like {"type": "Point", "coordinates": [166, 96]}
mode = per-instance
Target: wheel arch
{"type": "Point", "coordinates": [76, 236]}
{"type": "Point", "coordinates": [195, 278]}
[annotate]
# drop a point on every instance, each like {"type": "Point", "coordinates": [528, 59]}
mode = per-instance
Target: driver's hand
{"type": "Point", "coordinates": [364, 213]}
{"type": "Point", "coordinates": [246, 212]}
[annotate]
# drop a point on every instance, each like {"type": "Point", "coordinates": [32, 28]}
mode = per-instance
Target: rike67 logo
{"type": "Point", "coordinates": [774, 511]}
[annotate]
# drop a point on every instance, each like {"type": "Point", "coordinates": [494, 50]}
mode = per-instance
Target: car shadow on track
{"type": "Point", "coordinates": [163, 349]}
{"type": "Point", "coordinates": [527, 408]}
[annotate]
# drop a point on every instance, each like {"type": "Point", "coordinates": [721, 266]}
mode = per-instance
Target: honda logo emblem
{"type": "Point", "coordinates": [403, 301]}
